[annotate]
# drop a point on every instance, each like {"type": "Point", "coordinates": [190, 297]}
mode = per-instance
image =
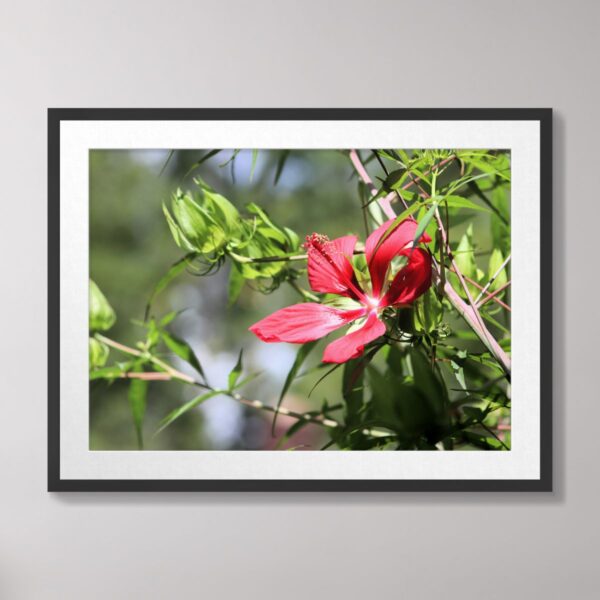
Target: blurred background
{"type": "Point", "coordinates": [131, 248]}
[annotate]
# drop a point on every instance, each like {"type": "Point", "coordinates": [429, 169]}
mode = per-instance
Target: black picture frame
{"type": "Point", "coordinates": [58, 115]}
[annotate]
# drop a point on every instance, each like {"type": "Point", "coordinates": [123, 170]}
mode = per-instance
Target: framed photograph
{"type": "Point", "coordinates": [300, 300]}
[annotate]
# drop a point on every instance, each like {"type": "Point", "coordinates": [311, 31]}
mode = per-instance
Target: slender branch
{"type": "Point", "coordinates": [362, 172]}
{"type": "Point", "coordinates": [172, 373]}
{"type": "Point", "coordinates": [491, 281]}
{"type": "Point", "coordinates": [175, 374]}
{"type": "Point", "coordinates": [487, 294]}
{"type": "Point", "coordinates": [324, 421]}
{"type": "Point", "coordinates": [148, 376]}
{"type": "Point", "coordinates": [493, 297]}
{"type": "Point", "coordinates": [415, 180]}
{"type": "Point", "coordinates": [267, 259]}
{"type": "Point", "coordinates": [272, 259]}
{"type": "Point", "coordinates": [382, 164]}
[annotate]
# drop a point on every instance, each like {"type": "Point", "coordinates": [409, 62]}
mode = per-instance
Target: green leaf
{"type": "Point", "coordinates": [490, 168]}
{"type": "Point", "coordinates": [102, 316]}
{"type": "Point", "coordinates": [204, 158]}
{"type": "Point", "coordinates": [428, 311]}
{"type": "Point", "coordinates": [353, 386]}
{"type": "Point", "coordinates": [241, 383]}
{"type": "Point", "coordinates": [223, 212]}
{"type": "Point", "coordinates": [496, 260]}
{"type": "Point", "coordinates": [465, 255]}
{"type": "Point", "coordinates": [236, 283]}
{"type": "Point", "coordinates": [424, 222]}
{"type": "Point", "coordinates": [138, 389]}
{"type": "Point", "coordinates": [280, 164]}
{"type": "Point", "coordinates": [474, 413]}
{"type": "Point", "coordinates": [180, 239]}
{"type": "Point", "coordinates": [500, 225]}
{"type": "Point", "coordinates": [235, 372]}
{"type": "Point", "coordinates": [460, 202]}
{"type": "Point", "coordinates": [253, 166]}
{"type": "Point", "coordinates": [231, 158]}
{"type": "Point", "coordinates": [183, 350]}
{"type": "Point", "coordinates": [172, 416]}
{"type": "Point", "coordinates": [174, 270]}
{"type": "Point", "coordinates": [301, 356]}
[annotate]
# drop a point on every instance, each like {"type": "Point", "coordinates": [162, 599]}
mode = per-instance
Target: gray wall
{"type": "Point", "coordinates": [260, 53]}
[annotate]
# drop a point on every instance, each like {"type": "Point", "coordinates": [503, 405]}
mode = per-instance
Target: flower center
{"type": "Point", "coordinates": [372, 303]}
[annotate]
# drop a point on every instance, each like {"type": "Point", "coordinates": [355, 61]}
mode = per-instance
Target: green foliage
{"type": "Point", "coordinates": [235, 373]}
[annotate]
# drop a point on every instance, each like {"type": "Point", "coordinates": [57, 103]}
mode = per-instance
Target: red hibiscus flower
{"type": "Point", "coordinates": [330, 271]}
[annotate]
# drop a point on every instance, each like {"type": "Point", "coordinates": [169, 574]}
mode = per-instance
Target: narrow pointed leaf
{"type": "Point", "coordinates": [236, 372]}
{"type": "Point", "coordinates": [280, 164]}
{"type": "Point", "coordinates": [138, 389]}
{"type": "Point", "coordinates": [253, 166]}
{"type": "Point", "coordinates": [178, 412]}
{"type": "Point", "coordinates": [182, 349]}
{"type": "Point", "coordinates": [301, 355]}
{"type": "Point", "coordinates": [175, 269]}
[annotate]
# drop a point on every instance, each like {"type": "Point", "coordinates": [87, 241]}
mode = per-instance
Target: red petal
{"type": "Point", "coordinates": [379, 255]}
{"type": "Point", "coordinates": [302, 323]}
{"type": "Point", "coordinates": [353, 344]}
{"type": "Point", "coordinates": [412, 280]}
{"type": "Point", "coordinates": [330, 267]}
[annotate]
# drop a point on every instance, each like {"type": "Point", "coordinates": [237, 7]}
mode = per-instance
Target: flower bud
{"type": "Point", "coordinates": [102, 316]}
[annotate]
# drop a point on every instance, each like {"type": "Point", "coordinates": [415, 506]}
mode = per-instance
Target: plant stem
{"type": "Point", "coordinates": [172, 373]}
{"type": "Point", "coordinates": [493, 296]}
{"type": "Point", "coordinates": [491, 281]}
{"type": "Point", "coordinates": [267, 259]}
{"type": "Point", "coordinates": [489, 296]}
{"type": "Point", "coordinates": [384, 203]}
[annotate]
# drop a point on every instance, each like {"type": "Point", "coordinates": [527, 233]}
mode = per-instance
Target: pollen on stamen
{"type": "Point", "coordinates": [315, 240]}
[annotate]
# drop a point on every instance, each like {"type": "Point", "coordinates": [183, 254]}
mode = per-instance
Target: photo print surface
{"type": "Point", "coordinates": [300, 300]}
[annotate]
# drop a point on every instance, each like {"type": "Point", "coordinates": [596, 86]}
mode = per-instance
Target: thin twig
{"type": "Point", "coordinates": [488, 295]}
{"type": "Point", "coordinates": [491, 281]}
{"type": "Point", "coordinates": [493, 296]}
{"type": "Point", "coordinates": [172, 373]}
{"type": "Point", "coordinates": [360, 169]}
{"type": "Point", "coordinates": [382, 164]}
{"type": "Point", "coordinates": [416, 180]}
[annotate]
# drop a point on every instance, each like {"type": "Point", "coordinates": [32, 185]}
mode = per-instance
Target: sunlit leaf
{"type": "Point", "coordinates": [178, 412]}
{"type": "Point", "coordinates": [235, 372]}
